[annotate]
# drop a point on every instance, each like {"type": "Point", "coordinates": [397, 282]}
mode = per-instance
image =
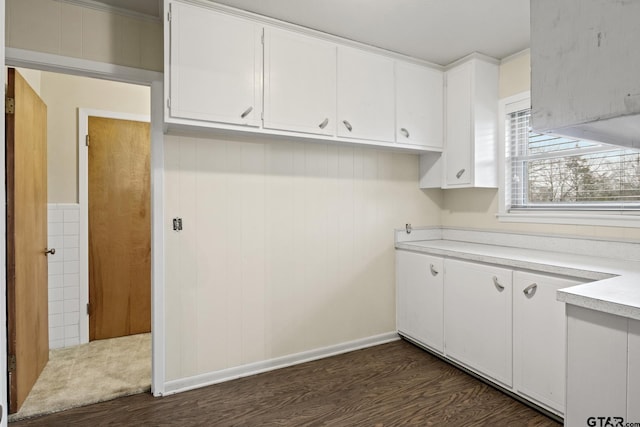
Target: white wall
{"type": "Point", "coordinates": [67, 29]}
{"type": "Point", "coordinates": [64, 94]}
{"type": "Point", "coordinates": [286, 247]}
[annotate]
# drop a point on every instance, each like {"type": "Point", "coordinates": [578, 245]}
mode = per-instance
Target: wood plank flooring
{"type": "Point", "coordinates": [387, 385]}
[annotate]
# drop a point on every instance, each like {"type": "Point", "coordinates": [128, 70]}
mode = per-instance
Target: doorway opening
{"type": "Point", "coordinates": [117, 355]}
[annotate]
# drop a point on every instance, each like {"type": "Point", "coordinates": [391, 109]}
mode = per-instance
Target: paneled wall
{"type": "Point", "coordinates": [68, 29]}
{"type": "Point", "coordinates": [285, 247]}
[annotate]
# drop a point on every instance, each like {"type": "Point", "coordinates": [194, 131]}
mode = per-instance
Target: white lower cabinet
{"type": "Point", "coordinates": [539, 336]}
{"type": "Point", "coordinates": [633, 383]}
{"type": "Point", "coordinates": [419, 298]}
{"type": "Point", "coordinates": [477, 318]}
{"type": "Point", "coordinates": [508, 326]}
{"type": "Point", "coordinates": [596, 367]}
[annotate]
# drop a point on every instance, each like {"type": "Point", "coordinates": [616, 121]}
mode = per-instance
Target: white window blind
{"type": "Point", "coordinates": [553, 172]}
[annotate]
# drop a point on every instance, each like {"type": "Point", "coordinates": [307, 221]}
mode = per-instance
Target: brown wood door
{"type": "Point", "coordinates": [119, 228]}
{"type": "Point", "coordinates": [27, 286]}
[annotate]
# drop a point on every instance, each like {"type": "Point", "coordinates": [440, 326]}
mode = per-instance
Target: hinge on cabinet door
{"type": "Point", "coordinates": [86, 140]}
{"type": "Point", "coordinates": [11, 363]}
{"type": "Point", "coordinates": [168, 102]}
{"type": "Point", "coordinates": [9, 105]}
{"type": "Point", "coordinates": [177, 224]}
{"type": "Point", "coordinates": [88, 309]}
{"type": "Point", "coordinates": [169, 16]}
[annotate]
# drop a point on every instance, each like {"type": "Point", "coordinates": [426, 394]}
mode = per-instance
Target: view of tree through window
{"type": "Point", "coordinates": [551, 171]}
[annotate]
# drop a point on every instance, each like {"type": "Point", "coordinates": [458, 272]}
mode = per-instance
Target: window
{"type": "Point", "coordinates": [546, 172]}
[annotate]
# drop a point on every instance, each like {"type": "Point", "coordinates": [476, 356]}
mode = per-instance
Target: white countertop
{"type": "Point", "coordinates": [614, 287]}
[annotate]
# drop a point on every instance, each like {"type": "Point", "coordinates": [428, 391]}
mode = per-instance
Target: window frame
{"type": "Point", "coordinates": [571, 216]}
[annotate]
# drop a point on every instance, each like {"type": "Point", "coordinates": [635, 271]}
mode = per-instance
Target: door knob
{"type": "Point", "coordinates": [51, 251]}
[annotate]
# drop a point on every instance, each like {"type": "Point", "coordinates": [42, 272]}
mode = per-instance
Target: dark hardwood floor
{"type": "Point", "coordinates": [387, 385]}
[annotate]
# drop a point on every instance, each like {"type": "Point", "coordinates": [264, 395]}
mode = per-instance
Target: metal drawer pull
{"type": "Point", "coordinates": [246, 112]}
{"type": "Point", "coordinates": [405, 132]}
{"type": "Point", "coordinates": [434, 272]}
{"type": "Point", "coordinates": [347, 125]}
{"type": "Point", "coordinates": [460, 172]}
{"type": "Point", "coordinates": [324, 124]}
{"type": "Point", "coordinates": [497, 284]}
{"type": "Point", "coordinates": [530, 290]}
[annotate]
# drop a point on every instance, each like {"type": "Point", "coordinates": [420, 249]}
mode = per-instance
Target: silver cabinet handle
{"type": "Point", "coordinates": [460, 172]}
{"type": "Point", "coordinates": [434, 272]}
{"type": "Point", "coordinates": [347, 125]}
{"type": "Point", "coordinates": [405, 132]}
{"type": "Point", "coordinates": [497, 284]}
{"type": "Point", "coordinates": [530, 290]}
{"type": "Point", "coordinates": [246, 112]}
{"type": "Point", "coordinates": [324, 124]}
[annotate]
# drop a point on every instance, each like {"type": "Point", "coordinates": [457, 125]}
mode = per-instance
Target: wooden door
{"type": "Point", "coordinates": [119, 228]}
{"type": "Point", "coordinates": [27, 287]}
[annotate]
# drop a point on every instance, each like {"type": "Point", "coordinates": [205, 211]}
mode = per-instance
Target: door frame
{"type": "Point", "coordinates": [81, 67]}
{"type": "Point", "coordinates": [83, 200]}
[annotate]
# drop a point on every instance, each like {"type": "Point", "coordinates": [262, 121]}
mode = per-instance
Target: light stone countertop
{"type": "Point", "coordinates": [614, 285]}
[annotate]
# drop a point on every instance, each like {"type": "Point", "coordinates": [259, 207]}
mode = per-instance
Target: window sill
{"type": "Point", "coordinates": [611, 219]}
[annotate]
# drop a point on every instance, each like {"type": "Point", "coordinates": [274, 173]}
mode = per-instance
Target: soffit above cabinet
{"type": "Point", "coordinates": [584, 72]}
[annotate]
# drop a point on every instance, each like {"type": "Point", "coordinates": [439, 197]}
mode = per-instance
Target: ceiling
{"type": "Point", "coordinates": [439, 31]}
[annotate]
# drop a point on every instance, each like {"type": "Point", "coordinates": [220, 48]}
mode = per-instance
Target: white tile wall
{"type": "Point", "coordinates": [64, 284]}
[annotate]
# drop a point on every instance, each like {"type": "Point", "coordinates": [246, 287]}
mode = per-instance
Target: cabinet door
{"type": "Point", "coordinates": [458, 168]}
{"type": "Point", "coordinates": [477, 318]}
{"type": "Point", "coordinates": [419, 105]}
{"type": "Point", "coordinates": [366, 95]}
{"type": "Point", "coordinates": [215, 67]}
{"type": "Point", "coordinates": [633, 374]}
{"type": "Point", "coordinates": [299, 83]}
{"type": "Point", "coordinates": [539, 336]}
{"type": "Point", "coordinates": [419, 298]}
{"type": "Point", "coordinates": [596, 365]}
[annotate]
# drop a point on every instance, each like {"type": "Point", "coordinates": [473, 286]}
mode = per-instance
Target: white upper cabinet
{"type": "Point", "coordinates": [471, 149]}
{"type": "Point", "coordinates": [229, 70]}
{"type": "Point", "coordinates": [419, 105]}
{"type": "Point", "coordinates": [215, 67]}
{"type": "Point", "coordinates": [299, 83]}
{"type": "Point", "coordinates": [366, 95]}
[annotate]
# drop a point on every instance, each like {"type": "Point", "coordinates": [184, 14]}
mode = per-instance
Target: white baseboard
{"type": "Point", "coordinates": [203, 380]}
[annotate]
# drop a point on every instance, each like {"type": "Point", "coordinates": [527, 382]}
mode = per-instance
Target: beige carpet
{"type": "Point", "coordinates": [90, 373]}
